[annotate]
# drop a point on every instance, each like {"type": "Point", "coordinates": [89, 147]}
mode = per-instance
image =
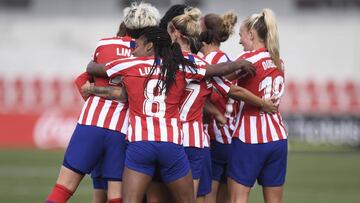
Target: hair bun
{"type": "Point", "coordinates": [193, 13]}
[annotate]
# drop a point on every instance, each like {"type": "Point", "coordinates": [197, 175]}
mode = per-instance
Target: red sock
{"type": "Point", "coordinates": [59, 194]}
{"type": "Point", "coordinates": [117, 200]}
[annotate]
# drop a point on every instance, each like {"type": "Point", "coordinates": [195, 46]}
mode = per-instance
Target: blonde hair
{"type": "Point", "coordinates": [141, 15]}
{"type": "Point", "coordinates": [265, 25]}
{"type": "Point", "coordinates": [221, 27]}
{"type": "Point", "coordinates": [188, 24]}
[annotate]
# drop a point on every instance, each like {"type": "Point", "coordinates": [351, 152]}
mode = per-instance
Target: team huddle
{"type": "Point", "coordinates": [169, 117]}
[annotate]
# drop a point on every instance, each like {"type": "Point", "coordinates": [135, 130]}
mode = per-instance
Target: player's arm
{"type": "Point", "coordinates": [240, 93]}
{"type": "Point", "coordinates": [210, 108]}
{"type": "Point", "coordinates": [221, 69]}
{"type": "Point", "coordinates": [96, 69]}
{"type": "Point", "coordinates": [80, 81]}
{"type": "Point", "coordinates": [109, 92]}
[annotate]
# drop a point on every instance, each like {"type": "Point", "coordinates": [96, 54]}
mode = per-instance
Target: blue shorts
{"type": "Point", "coordinates": [91, 145]}
{"type": "Point", "coordinates": [219, 161]}
{"type": "Point", "coordinates": [196, 159]}
{"type": "Point", "coordinates": [205, 179]}
{"type": "Point", "coordinates": [265, 163]}
{"type": "Point", "coordinates": [170, 158]}
{"type": "Point", "coordinates": [99, 183]}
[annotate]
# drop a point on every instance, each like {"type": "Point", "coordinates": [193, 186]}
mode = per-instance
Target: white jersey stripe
{"type": "Point", "coordinates": [242, 130]}
{"type": "Point", "coordinates": [221, 83]}
{"type": "Point", "coordinates": [130, 132]}
{"type": "Point", "coordinates": [272, 128]}
{"type": "Point", "coordinates": [253, 133]}
{"type": "Point", "coordinates": [223, 59]}
{"type": "Point", "coordinates": [175, 129]}
{"type": "Point", "coordinates": [263, 128]}
{"type": "Point", "coordinates": [116, 117]}
{"type": "Point", "coordinates": [227, 133]}
{"type": "Point", "coordinates": [282, 130]}
{"type": "Point", "coordinates": [196, 133]}
{"type": "Point", "coordinates": [163, 129]}
{"type": "Point", "coordinates": [150, 128]}
{"type": "Point", "coordinates": [185, 129]}
{"type": "Point", "coordinates": [92, 110]}
{"type": "Point", "coordinates": [125, 125]}
{"type": "Point", "coordinates": [210, 57]}
{"type": "Point", "coordinates": [122, 66]}
{"type": "Point", "coordinates": [83, 111]}
{"type": "Point", "coordinates": [113, 41]}
{"type": "Point", "coordinates": [259, 56]}
{"type": "Point", "coordinates": [103, 112]}
{"type": "Point", "coordinates": [138, 129]}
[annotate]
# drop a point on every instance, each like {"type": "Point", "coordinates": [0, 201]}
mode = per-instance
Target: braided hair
{"type": "Point", "coordinates": [170, 55]}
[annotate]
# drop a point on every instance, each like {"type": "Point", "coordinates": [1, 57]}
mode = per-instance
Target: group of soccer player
{"type": "Point", "coordinates": [162, 123]}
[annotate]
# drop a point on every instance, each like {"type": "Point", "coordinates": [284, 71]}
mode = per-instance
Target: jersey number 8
{"type": "Point", "coordinates": [154, 103]}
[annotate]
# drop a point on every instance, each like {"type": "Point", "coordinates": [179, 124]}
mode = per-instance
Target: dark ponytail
{"type": "Point", "coordinates": [170, 55]}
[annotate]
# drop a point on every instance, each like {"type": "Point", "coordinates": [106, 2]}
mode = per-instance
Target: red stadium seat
{"type": "Point", "coordinates": [18, 104]}
{"type": "Point", "coordinates": [313, 94]}
{"type": "Point", "coordinates": [56, 92]}
{"type": "Point", "coordinates": [38, 92]}
{"type": "Point", "coordinates": [332, 95]}
{"type": "Point", "coordinates": [292, 97]}
{"type": "Point", "coordinates": [352, 92]}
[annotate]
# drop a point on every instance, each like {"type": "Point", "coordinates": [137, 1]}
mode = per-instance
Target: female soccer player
{"type": "Point", "coordinates": [259, 146]}
{"type": "Point", "coordinates": [154, 132]}
{"type": "Point", "coordinates": [98, 142]}
{"type": "Point", "coordinates": [217, 29]}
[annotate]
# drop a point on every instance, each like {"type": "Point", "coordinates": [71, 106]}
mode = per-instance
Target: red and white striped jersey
{"type": "Point", "coordinates": [207, 136]}
{"type": "Point", "coordinates": [101, 112]}
{"type": "Point", "coordinates": [192, 103]}
{"type": "Point", "coordinates": [153, 116]}
{"type": "Point", "coordinates": [254, 126]}
{"type": "Point", "coordinates": [229, 107]}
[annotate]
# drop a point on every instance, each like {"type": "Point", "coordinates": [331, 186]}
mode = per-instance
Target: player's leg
{"type": "Point", "coordinates": [175, 171]}
{"type": "Point", "coordinates": [204, 188]}
{"type": "Point", "coordinates": [99, 196]}
{"type": "Point", "coordinates": [136, 185]}
{"type": "Point", "coordinates": [272, 176]}
{"type": "Point", "coordinates": [196, 159]}
{"type": "Point", "coordinates": [273, 194]}
{"type": "Point", "coordinates": [223, 193]}
{"type": "Point", "coordinates": [81, 156]}
{"type": "Point", "coordinates": [99, 184]}
{"type": "Point", "coordinates": [139, 168]}
{"type": "Point", "coordinates": [245, 169]}
{"type": "Point", "coordinates": [211, 197]}
{"type": "Point", "coordinates": [219, 161]}
{"type": "Point", "coordinates": [158, 193]}
{"type": "Point", "coordinates": [238, 193]}
{"type": "Point", "coordinates": [182, 190]}
{"type": "Point", "coordinates": [113, 163]}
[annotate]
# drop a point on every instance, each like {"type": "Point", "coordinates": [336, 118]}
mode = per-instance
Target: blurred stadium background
{"type": "Point", "coordinates": [44, 44]}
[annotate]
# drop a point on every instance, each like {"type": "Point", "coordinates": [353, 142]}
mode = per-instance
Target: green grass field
{"type": "Point", "coordinates": [324, 175]}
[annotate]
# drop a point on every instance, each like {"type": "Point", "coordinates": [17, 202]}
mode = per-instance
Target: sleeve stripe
{"type": "Point", "coordinates": [259, 56]}
{"type": "Point", "coordinates": [118, 66]}
{"type": "Point", "coordinates": [221, 85]}
{"type": "Point", "coordinates": [113, 41]}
